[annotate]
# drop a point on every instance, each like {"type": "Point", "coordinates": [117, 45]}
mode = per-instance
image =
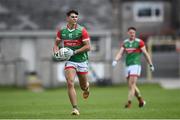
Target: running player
{"type": "Point", "coordinates": [76, 38]}
{"type": "Point", "coordinates": [133, 47]}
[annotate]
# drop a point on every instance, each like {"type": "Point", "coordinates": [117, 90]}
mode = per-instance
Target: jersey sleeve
{"type": "Point", "coordinates": [58, 35]}
{"type": "Point", "coordinates": [85, 35]}
{"type": "Point", "coordinates": [121, 44]}
{"type": "Point", "coordinates": [141, 43]}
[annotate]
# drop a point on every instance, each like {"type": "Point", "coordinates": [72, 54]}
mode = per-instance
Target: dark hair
{"type": "Point", "coordinates": [72, 11]}
{"type": "Point", "coordinates": [132, 28]}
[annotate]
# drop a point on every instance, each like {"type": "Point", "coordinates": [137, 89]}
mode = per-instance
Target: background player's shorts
{"type": "Point", "coordinates": [133, 70]}
{"type": "Point", "coordinates": [81, 67]}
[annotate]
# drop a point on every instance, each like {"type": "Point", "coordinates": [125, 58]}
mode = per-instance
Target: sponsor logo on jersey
{"type": "Point", "coordinates": [132, 50]}
{"type": "Point", "coordinates": [72, 42]}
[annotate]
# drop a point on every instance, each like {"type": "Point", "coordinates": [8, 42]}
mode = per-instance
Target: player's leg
{"type": "Point", "coordinates": [82, 72]}
{"type": "Point", "coordinates": [131, 89]}
{"type": "Point", "coordinates": [139, 97]}
{"type": "Point", "coordinates": [132, 73]}
{"type": "Point", "coordinates": [70, 74]}
{"type": "Point", "coordinates": [84, 84]}
{"type": "Point", "coordinates": [137, 91]}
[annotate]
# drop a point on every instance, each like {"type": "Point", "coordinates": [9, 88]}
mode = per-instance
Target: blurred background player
{"type": "Point", "coordinates": [133, 47]}
{"type": "Point", "coordinates": [76, 38]}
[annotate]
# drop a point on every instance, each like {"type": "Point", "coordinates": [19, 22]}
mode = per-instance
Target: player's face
{"type": "Point", "coordinates": [72, 19]}
{"type": "Point", "coordinates": [132, 34]}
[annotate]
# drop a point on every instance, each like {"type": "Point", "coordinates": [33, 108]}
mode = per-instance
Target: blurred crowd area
{"type": "Point", "coordinates": [28, 27]}
{"type": "Point", "coordinates": [50, 14]}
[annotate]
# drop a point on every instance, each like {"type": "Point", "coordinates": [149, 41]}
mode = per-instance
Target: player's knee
{"type": "Point", "coordinates": [70, 84]}
{"type": "Point", "coordinates": [131, 85]}
{"type": "Point", "coordinates": [132, 82]}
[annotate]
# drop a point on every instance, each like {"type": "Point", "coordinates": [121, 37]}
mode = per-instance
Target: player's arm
{"type": "Point", "coordinates": [118, 56]}
{"type": "Point", "coordinates": [86, 47]}
{"type": "Point", "coordinates": [57, 42]}
{"type": "Point", "coordinates": [148, 58]}
{"type": "Point", "coordinates": [86, 42]}
{"type": "Point", "coordinates": [146, 54]}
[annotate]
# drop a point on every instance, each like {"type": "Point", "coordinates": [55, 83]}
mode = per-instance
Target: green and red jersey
{"type": "Point", "coordinates": [133, 51]}
{"type": "Point", "coordinates": [73, 39]}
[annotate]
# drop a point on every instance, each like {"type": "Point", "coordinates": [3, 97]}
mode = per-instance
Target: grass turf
{"type": "Point", "coordinates": [103, 103]}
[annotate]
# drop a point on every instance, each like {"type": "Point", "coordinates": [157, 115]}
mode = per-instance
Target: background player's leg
{"type": "Point", "coordinates": [137, 92]}
{"type": "Point", "coordinates": [139, 97]}
{"type": "Point", "coordinates": [131, 92]}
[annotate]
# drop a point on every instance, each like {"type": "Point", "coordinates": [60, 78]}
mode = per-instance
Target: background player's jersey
{"type": "Point", "coordinates": [73, 39]}
{"type": "Point", "coordinates": [133, 51]}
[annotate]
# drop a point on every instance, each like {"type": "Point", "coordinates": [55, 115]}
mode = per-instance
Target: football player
{"type": "Point", "coordinates": [133, 47]}
{"type": "Point", "coordinates": [75, 37]}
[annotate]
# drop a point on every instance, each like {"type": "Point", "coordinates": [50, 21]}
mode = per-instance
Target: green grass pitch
{"type": "Point", "coordinates": [103, 103]}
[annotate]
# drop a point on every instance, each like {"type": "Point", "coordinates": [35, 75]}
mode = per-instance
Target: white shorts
{"type": "Point", "coordinates": [133, 70]}
{"type": "Point", "coordinates": [81, 68]}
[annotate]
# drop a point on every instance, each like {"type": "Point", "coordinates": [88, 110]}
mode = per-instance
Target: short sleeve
{"type": "Point", "coordinates": [121, 44]}
{"type": "Point", "coordinates": [141, 43]}
{"type": "Point", "coordinates": [58, 35]}
{"type": "Point", "coordinates": [85, 35]}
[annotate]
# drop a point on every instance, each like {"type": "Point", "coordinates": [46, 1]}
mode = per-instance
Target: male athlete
{"type": "Point", "coordinates": [76, 38]}
{"type": "Point", "coordinates": [133, 47]}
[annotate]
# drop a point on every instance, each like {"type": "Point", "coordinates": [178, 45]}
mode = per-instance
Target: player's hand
{"type": "Point", "coordinates": [70, 52]}
{"type": "Point", "coordinates": [55, 49]}
{"type": "Point", "coordinates": [151, 68]}
{"type": "Point", "coordinates": [114, 63]}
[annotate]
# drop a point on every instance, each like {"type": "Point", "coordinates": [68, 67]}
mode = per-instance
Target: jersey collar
{"type": "Point", "coordinates": [68, 27]}
{"type": "Point", "coordinates": [132, 40]}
